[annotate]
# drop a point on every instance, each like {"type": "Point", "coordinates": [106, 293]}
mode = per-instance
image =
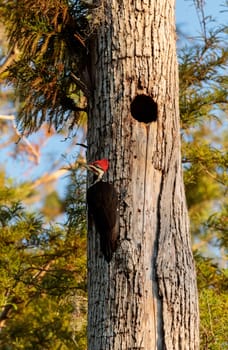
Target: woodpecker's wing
{"type": "Point", "coordinates": [102, 202]}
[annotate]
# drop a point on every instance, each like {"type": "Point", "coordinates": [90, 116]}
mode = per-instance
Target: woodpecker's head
{"type": "Point", "coordinates": [98, 167]}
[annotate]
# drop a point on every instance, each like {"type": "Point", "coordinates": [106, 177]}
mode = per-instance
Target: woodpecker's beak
{"type": "Point", "coordinates": [84, 165]}
{"type": "Point", "coordinates": [88, 167]}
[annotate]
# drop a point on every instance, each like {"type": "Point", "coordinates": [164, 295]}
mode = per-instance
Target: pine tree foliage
{"type": "Point", "coordinates": [43, 277]}
{"type": "Point", "coordinates": [203, 110]}
{"type": "Point", "coordinates": [50, 38]}
{"type": "Point", "coordinates": [213, 299]}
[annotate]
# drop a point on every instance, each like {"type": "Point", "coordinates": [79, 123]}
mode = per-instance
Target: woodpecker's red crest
{"type": "Point", "coordinates": [102, 164]}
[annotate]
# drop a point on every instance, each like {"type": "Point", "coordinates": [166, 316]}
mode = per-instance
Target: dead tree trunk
{"type": "Point", "coordinates": [146, 297]}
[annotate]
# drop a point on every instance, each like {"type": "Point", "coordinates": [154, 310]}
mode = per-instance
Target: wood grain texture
{"type": "Point", "coordinates": [146, 298]}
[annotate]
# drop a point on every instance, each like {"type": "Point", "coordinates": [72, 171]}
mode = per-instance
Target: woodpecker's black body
{"type": "Point", "coordinates": [102, 202]}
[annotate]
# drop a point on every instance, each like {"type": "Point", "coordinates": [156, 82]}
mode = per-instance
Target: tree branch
{"type": "Point", "coordinates": [32, 149]}
{"type": "Point", "coordinates": [13, 53]}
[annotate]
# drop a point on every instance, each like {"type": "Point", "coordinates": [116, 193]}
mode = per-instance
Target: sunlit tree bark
{"type": "Point", "coordinates": [146, 297]}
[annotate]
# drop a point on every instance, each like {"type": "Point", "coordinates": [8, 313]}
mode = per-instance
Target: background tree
{"type": "Point", "coordinates": [43, 274]}
{"type": "Point", "coordinates": [47, 59]}
{"type": "Point", "coordinates": [203, 107]}
{"type": "Point", "coordinates": [43, 264]}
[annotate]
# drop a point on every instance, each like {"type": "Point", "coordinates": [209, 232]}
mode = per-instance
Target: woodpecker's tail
{"type": "Point", "coordinates": [108, 246]}
{"type": "Point", "coordinates": [106, 250]}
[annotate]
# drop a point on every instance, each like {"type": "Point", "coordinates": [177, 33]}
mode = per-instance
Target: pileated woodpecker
{"type": "Point", "coordinates": [102, 202]}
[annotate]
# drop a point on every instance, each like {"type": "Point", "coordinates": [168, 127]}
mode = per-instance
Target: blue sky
{"type": "Point", "coordinates": [186, 16]}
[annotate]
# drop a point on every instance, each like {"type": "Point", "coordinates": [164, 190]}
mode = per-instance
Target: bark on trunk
{"type": "Point", "coordinates": [146, 297]}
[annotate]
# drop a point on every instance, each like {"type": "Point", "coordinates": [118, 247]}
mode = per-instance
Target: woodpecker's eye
{"type": "Point", "coordinates": [144, 109]}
